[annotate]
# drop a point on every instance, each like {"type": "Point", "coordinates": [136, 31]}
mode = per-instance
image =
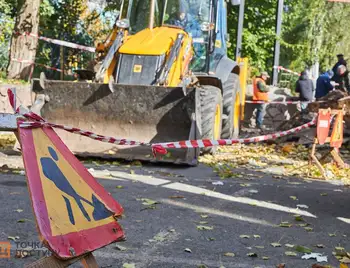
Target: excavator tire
{"type": "Point", "coordinates": [231, 106]}
{"type": "Point", "coordinates": [211, 115]}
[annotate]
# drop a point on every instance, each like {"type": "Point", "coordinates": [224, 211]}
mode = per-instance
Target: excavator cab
{"type": "Point", "coordinates": [165, 77]}
{"type": "Point", "coordinates": [195, 17]}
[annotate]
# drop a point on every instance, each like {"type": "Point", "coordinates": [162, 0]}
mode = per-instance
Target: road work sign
{"type": "Point", "coordinates": [337, 134]}
{"type": "Point", "coordinates": [74, 213]}
{"type": "Point", "coordinates": [323, 125]}
{"type": "Point", "coordinates": [335, 140]}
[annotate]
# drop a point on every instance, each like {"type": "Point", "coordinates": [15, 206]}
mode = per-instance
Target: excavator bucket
{"type": "Point", "coordinates": [149, 114]}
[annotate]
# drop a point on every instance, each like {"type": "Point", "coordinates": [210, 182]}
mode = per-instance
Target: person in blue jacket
{"type": "Point", "coordinates": [192, 26]}
{"type": "Point", "coordinates": [323, 84]}
{"type": "Point", "coordinates": [187, 22]}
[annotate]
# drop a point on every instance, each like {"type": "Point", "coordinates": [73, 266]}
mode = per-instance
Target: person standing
{"type": "Point", "coordinates": [344, 78]}
{"type": "Point", "coordinates": [260, 94]}
{"type": "Point", "coordinates": [306, 89]}
{"type": "Point", "coordinates": [341, 61]}
{"type": "Point", "coordinates": [324, 84]}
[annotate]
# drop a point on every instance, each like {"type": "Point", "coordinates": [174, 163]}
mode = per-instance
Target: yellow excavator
{"type": "Point", "coordinates": [164, 76]}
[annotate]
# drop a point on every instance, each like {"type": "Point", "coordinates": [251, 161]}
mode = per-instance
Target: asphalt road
{"type": "Point", "coordinates": [158, 237]}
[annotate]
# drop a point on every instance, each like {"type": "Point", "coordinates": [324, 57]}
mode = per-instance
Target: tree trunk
{"type": "Point", "coordinates": [24, 47]}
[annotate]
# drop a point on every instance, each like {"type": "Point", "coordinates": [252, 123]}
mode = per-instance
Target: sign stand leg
{"type": "Point", "coordinates": [337, 158]}
{"type": "Point", "coordinates": [87, 260]}
{"type": "Point", "coordinates": [314, 158]}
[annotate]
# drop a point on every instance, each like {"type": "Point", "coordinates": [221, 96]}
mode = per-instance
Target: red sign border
{"type": "Point", "coordinates": [83, 241]}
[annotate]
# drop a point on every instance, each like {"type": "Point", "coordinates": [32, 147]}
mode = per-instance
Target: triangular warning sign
{"type": "Point", "coordinates": [74, 213]}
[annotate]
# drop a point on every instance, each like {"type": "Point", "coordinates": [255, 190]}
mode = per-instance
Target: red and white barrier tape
{"type": "Point", "coordinates": [34, 63]}
{"type": "Point", "coordinates": [211, 143]}
{"type": "Point", "coordinates": [11, 93]}
{"type": "Point", "coordinates": [277, 102]}
{"type": "Point", "coordinates": [281, 102]}
{"type": "Point", "coordinates": [40, 122]}
{"type": "Point", "coordinates": [59, 42]}
{"type": "Point", "coordinates": [280, 68]}
{"type": "Point", "coordinates": [161, 148]}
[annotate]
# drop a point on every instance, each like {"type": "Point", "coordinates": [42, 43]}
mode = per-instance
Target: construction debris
{"type": "Point", "coordinates": [336, 99]}
{"type": "Point", "coordinates": [287, 160]}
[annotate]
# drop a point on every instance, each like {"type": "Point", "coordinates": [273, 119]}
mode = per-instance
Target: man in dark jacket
{"type": "Point", "coordinates": [341, 61]}
{"type": "Point", "coordinates": [305, 88]}
{"type": "Point", "coordinates": [344, 78]}
{"type": "Point", "coordinates": [323, 84]}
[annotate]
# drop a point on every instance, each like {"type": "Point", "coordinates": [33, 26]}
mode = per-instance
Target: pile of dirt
{"type": "Point", "coordinates": [336, 99]}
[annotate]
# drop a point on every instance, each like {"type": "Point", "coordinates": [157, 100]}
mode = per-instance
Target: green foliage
{"type": "Point", "coordinates": [46, 11]}
{"type": "Point", "coordinates": [62, 20]}
{"type": "Point", "coordinates": [313, 31]}
{"type": "Point", "coordinates": [7, 11]}
{"type": "Point", "coordinates": [114, 5]}
{"type": "Point", "coordinates": [8, 7]}
{"type": "Point", "coordinates": [318, 34]}
{"type": "Point", "coordinates": [259, 32]}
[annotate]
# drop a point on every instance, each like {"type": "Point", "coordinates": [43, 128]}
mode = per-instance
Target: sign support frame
{"type": "Point", "coordinates": [334, 152]}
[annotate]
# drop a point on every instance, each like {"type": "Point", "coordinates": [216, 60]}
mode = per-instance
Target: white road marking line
{"type": "Point", "coordinates": [344, 220]}
{"type": "Point", "coordinates": [243, 200]}
{"type": "Point", "coordinates": [206, 210]}
{"type": "Point", "coordinates": [198, 190]}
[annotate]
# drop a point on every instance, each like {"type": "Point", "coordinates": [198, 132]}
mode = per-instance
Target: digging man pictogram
{"type": "Point", "coordinates": [54, 174]}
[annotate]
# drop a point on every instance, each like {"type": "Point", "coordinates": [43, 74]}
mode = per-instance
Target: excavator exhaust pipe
{"type": "Point", "coordinates": [151, 17]}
